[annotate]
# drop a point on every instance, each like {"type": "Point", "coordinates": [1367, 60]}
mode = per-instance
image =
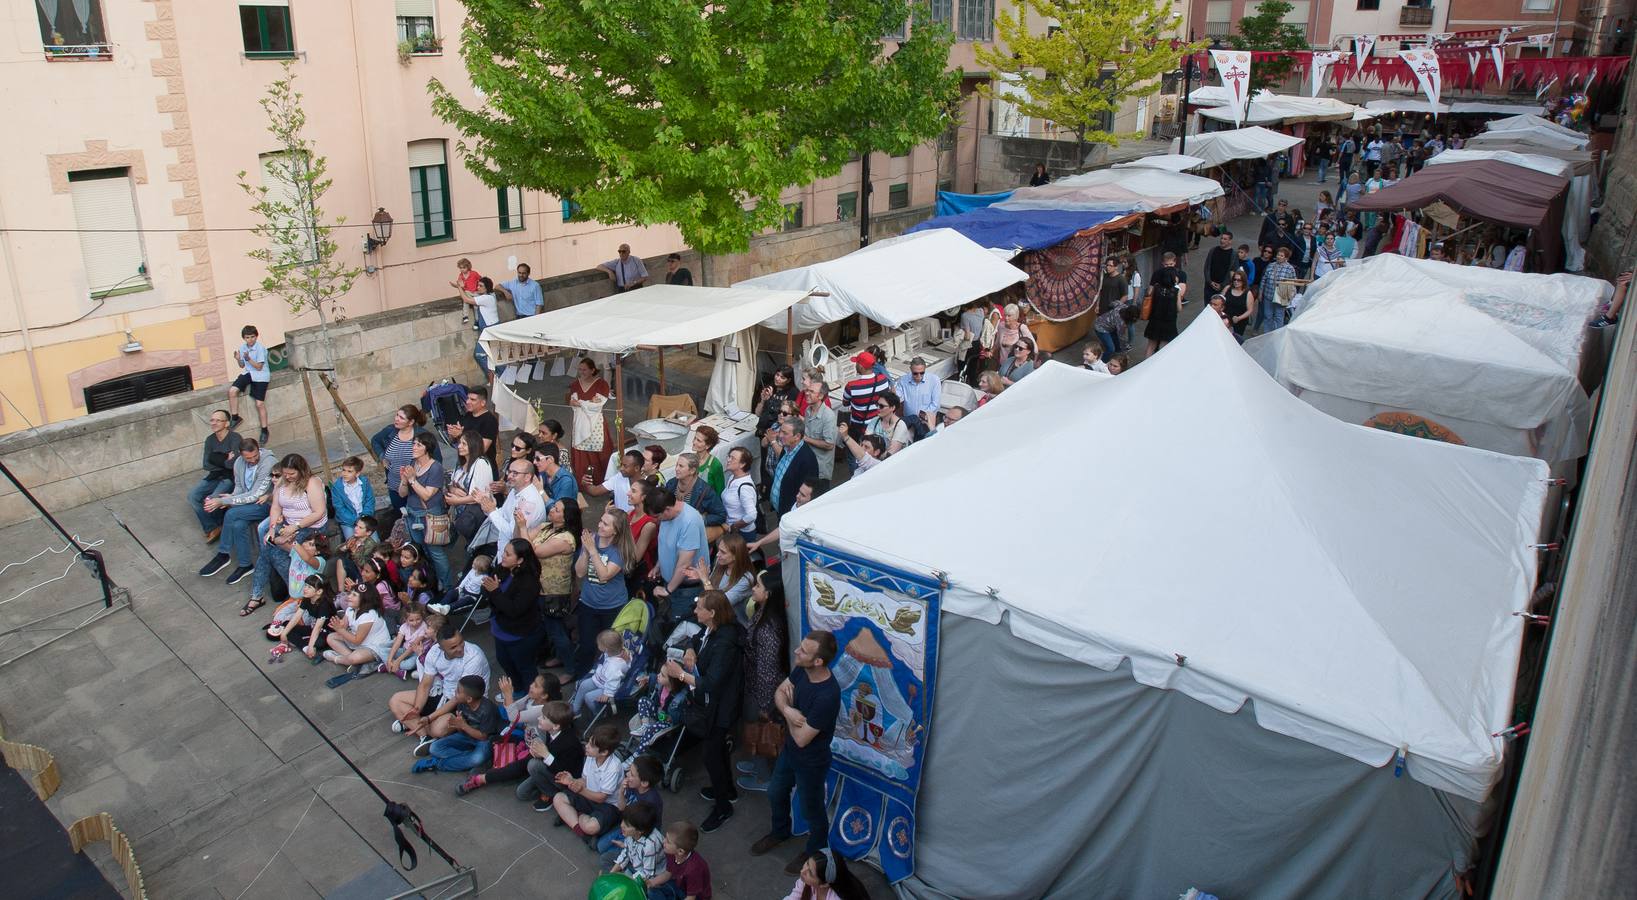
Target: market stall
{"type": "Point", "coordinates": [1489, 191]}
{"type": "Point", "coordinates": [1577, 205]}
{"type": "Point", "coordinates": [1228, 155]}
{"type": "Point", "coordinates": [1133, 697]}
{"type": "Point", "coordinates": [1463, 354]}
{"type": "Point", "coordinates": [1118, 190]}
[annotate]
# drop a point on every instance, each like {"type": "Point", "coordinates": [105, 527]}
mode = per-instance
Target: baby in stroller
{"type": "Point", "coordinates": [659, 709]}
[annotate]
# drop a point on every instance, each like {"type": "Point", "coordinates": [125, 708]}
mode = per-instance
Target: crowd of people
{"type": "Point", "coordinates": [633, 622]}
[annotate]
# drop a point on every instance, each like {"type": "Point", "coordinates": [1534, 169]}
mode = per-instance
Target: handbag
{"type": "Point", "coordinates": [1147, 307]}
{"type": "Point", "coordinates": [508, 750]}
{"type": "Point", "coordinates": [439, 529]}
{"type": "Point", "coordinates": [764, 738]}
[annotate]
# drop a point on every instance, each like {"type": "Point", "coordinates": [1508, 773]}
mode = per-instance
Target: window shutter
{"type": "Point", "coordinates": [105, 211]}
{"type": "Point", "coordinates": [425, 153]}
{"type": "Point", "coordinates": [424, 9]}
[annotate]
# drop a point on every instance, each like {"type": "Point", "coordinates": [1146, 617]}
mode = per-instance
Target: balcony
{"type": "Point", "coordinates": [1415, 17]}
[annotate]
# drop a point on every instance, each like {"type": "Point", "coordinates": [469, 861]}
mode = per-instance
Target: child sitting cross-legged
{"type": "Point", "coordinates": [643, 856]}
{"type": "Point", "coordinates": [413, 640]}
{"type": "Point", "coordinates": [572, 797]}
{"type": "Point", "coordinates": [604, 680]}
{"type": "Point", "coordinates": [640, 785]}
{"type": "Point", "coordinates": [475, 721]}
{"type": "Point", "coordinates": [687, 876]}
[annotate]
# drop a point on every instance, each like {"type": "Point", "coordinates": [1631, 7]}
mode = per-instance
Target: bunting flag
{"type": "Point", "coordinates": [1322, 61]}
{"type": "Point", "coordinates": [1429, 72]}
{"type": "Point", "coordinates": [1538, 40]}
{"type": "Point", "coordinates": [1498, 54]}
{"type": "Point", "coordinates": [1442, 37]}
{"type": "Point", "coordinates": [1472, 59]}
{"type": "Point", "coordinates": [1362, 46]}
{"type": "Point", "coordinates": [1539, 91]}
{"type": "Point", "coordinates": [1591, 77]}
{"type": "Point", "coordinates": [1234, 67]}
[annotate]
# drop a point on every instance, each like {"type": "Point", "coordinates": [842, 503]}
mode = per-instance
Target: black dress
{"type": "Point", "coordinates": [1235, 305]}
{"type": "Point", "coordinates": [1162, 313]}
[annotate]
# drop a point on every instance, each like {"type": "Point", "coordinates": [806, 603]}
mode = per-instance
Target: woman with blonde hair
{"type": "Point", "coordinates": [608, 555]}
{"type": "Point", "coordinates": [1012, 329]}
{"type": "Point", "coordinates": [990, 385]}
{"type": "Point", "coordinates": [732, 574]}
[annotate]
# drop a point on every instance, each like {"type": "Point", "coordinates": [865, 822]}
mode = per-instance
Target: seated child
{"type": "Point", "coordinates": [413, 640]}
{"type": "Point", "coordinates": [471, 587]}
{"type": "Point", "coordinates": [307, 625]}
{"type": "Point", "coordinates": [639, 785]}
{"type": "Point", "coordinates": [605, 677]}
{"type": "Point", "coordinates": [687, 876]}
{"type": "Point", "coordinates": [658, 710]}
{"type": "Point", "coordinates": [354, 552]}
{"type": "Point", "coordinates": [643, 855]}
{"type": "Point", "coordinates": [572, 797]}
{"type": "Point", "coordinates": [526, 719]}
{"type": "Point", "coordinates": [1092, 358]}
{"type": "Point", "coordinates": [475, 723]}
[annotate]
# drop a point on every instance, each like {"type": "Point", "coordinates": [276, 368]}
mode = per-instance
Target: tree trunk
{"type": "Point", "coordinates": [328, 344]}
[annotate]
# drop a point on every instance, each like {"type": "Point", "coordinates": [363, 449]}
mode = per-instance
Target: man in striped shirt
{"type": "Point", "coordinates": [862, 394]}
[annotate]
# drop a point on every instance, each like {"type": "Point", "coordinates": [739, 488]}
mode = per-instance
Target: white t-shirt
{"type": "Point", "coordinates": [739, 500]}
{"type": "Point", "coordinates": [257, 352]}
{"type": "Point", "coordinates": [899, 432]}
{"type": "Point", "coordinates": [448, 672]}
{"type": "Point", "coordinates": [604, 777]}
{"type": "Point", "coordinates": [619, 490]}
{"type": "Point", "coordinates": [377, 641]}
{"type": "Point", "coordinates": [488, 313]}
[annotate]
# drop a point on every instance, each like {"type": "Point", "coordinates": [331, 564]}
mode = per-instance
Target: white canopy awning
{"type": "Point", "coordinates": [1136, 189]}
{"type": "Point", "coordinates": [1385, 620]}
{"type": "Point", "coordinates": [1170, 162]}
{"type": "Point", "coordinates": [1254, 142]}
{"type": "Point", "coordinates": [1404, 105]}
{"type": "Point", "coordinates": [1497, 109]}
{"type": "Point", "coordinates": [660, 315]}
{"type": "Point", "coordinates": [1520, 142]}
{"type": "Point", "coordinates": [1210, 95]}
{"type": "Point", "coordinates": [892, 281]}
{"type": "Point", "coordinates": [1546, 164]}
{"type": "Point", "coordinates": [1267, 108]}
{"type": "Point", "coordinates": [1540, 130]}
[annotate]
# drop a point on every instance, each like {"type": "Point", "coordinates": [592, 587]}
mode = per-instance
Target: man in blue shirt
{"type": "Point", "coordinates": [682, 547]}
{"type": "Point", "coordinates": [919, 391]}
{"type": "Point", "coordinates": [558, 480]}
{"type": "Point", "coordinates": [524, 293]}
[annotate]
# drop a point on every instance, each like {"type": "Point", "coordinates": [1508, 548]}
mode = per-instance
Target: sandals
{"type": "Point", "coordinates": [250, 606]}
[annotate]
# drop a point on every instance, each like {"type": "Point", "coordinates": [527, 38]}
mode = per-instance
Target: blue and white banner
{"type": "Point", "coordinates": [886, 627]}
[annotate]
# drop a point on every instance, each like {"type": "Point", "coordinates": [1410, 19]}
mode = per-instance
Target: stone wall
{"type": "Point", "coordinates": [802, 247]}
{"type": "Point", "coordinates": [1609, 251]}
{"type": "Point", "coordinates": [1008, 162]}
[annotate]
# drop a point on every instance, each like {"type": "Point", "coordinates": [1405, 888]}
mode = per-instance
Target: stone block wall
{"type": "Point", "coordinates": [1609, 250]}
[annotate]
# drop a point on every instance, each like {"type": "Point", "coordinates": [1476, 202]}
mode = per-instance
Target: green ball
{"type": "Point", "coordinates": [617, 886]}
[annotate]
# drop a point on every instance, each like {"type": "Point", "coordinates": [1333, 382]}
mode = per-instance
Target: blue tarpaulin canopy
{"type": "Point", "coordinates": [1022, 229]}
{"type": "Point", "coordinates": [953, 204]}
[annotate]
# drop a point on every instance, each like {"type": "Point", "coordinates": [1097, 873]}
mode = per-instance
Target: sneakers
{"type": "Point", "coordinates": [541, 804]}
{"type": "Point", "coordinates": [234, 420]}
{"type": "Point", "coordinates": [397, 727]}
{"type": "Point", "coordinates": [716, 819]}
{"type": "Point", "coordinates": [331, 655]}
{"type": "Point", "coordinates": [217, 563]}
{"type": "Point", "coordinates": [767, 843]}
{"type": "Point", "coordinates": [213, 534]}
{"type": "Point", "coordinates": [747, 766]}
{"type": "Point", "coordinates": [749, 783]}
{"type": "Point", "coordinates": [240, 574]}
{"type": "Point", "coordinates": [263, 438]}
{"type": "Point", "coordinates": [424, 748]}
{"type": "Point", "coordinates": [472, 783]}
{"type": "Point", "coordinates": [710, 794]}
{"type": "Point", "coordinates": [422, 766]}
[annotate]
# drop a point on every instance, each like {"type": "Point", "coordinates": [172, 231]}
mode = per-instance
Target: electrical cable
{"type": "Point", "coordinates": [398, 814]}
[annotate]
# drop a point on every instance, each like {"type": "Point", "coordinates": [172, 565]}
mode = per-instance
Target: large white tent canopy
{"type": "Point", "coordinates": [892, 281]}
{"type": "Point", "coordinates": [1492, 356]}
{"type": "Point", "coordinates": [1497, 109]}
{"type": "Point", "coordinates": [660, 315]}
{"type": "Point", "coordinates": [1549, 165]}
{"type": "Point", "coordinates": [1536, 123]}
{"type": "Point", "coordinates": [1136, 189]}
{"type": "Point", "coordinates": [1267, 108]}
{"type": "Point", "coordinates": [1254, 142]}
{"type": "Point", "coordinates": [1384, 621]}
{"type": "Point", "coordinates": [1171, 162]}
{"type": "Point", "coordinates": [1405, 105]}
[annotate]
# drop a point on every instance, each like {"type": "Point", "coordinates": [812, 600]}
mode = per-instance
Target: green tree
{"type": "Point", "coordinates": [299, 253]}
{"type": "Point", "coordinates": [690, 112]}
{"type": "Point", "coordinates": [1080, 73]}
{"type": "Point", "coordinates": [1266, 29]}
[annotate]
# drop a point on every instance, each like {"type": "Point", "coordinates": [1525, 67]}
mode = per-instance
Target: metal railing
{"type": "Point", "coordinates": [82, 52]}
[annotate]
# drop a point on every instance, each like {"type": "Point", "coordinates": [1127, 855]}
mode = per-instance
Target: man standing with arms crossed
{"type": "Point", "coordinates": [810, 702]}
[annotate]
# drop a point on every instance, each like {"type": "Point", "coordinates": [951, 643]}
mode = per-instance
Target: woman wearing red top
{"type": "Point", "coordinates": [644, 532]}
{"type": "Point", "coordinates": [591, 464]}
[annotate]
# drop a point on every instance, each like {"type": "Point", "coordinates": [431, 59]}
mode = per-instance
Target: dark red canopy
{"type": "Point", "coordinates": [1490, 190]}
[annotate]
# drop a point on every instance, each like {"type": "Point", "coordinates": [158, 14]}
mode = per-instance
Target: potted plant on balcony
{"type": "Point", "coordinates": [428, 43]}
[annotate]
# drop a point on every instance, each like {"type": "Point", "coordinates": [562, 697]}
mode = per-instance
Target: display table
{"type": "Point", "coordinates": [678, 439]}
{"type": "Point", "coordinates": [1054, 336]}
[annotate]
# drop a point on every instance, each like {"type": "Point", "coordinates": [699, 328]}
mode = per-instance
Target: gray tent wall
{"type": "Point", "coordinates": [1047, 777]}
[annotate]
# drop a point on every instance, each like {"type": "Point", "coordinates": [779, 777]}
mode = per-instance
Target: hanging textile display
{"type": "Point", "coordinates": [1429, 72]}
{"type": "Point", "coordinates": [1063, 279]}
{"type": "Point", "coordinates": [1234, 67]}
{"type": "Point", "coordinates": [886, 627]}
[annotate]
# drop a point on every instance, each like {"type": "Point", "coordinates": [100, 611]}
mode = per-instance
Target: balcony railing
{"type": "Point", "coordinates": [1415, 17]}
{"type": "Point", "coordinates": [79, 52]}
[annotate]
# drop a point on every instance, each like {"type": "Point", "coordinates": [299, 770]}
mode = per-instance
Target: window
{"type": "Point", "coordinates": [977, 20]}
{"type": "Point", "coordinates": [571, 211]}
{"type": "Point", "coordinates": [266, 29]}
{"type": "Point", "coordinates": [944, 11]}
{"type": "Point", "coordinates": [429, 192]}
{"type": "Point", "coordinates": [417, 25]}
{"type": "Point", "coordinates": [111, 245]}
{"type": "Point", "coordinates": [793, 216]}
{"type": "Point", "coordinates": [282, 175]}
{"type": "Point", "coordinates": [898, 196]}
{"type": "Point", "coordinates": [72, 30]}
{"type": "Point", "coordinates": [1369, 4]}
{"type": "Point", "coordinates": [1539, 5]}
{"type": "Point", "coordinates": [846, 206]}
{"type": "Point", "coordinates": [899, 30]}
{"type": "Point", "coordinates": [511, 208]}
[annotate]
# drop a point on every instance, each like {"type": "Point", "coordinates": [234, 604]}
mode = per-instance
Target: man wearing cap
{"type": "Point", "coordinates": [626, 271]}
{"type": "Point", "coordinates": [919, 391]}
{"type": "Point", "coordinates": [862, 393]}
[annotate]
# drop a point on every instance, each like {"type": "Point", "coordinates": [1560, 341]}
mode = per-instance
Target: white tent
{"type": "Point", "coordinates": [892, 281]}
{"type": "Point", "coordinates": [1537, 123]}
{"type": "Point", "coordinates": [1117, 190]}
{"type": "Point", "coordinates": [1549, 165]}
{"type": "Point", "coordinates": [1329, 589]}
{"type": "Point", "coordinates": [1484, 357]}
{"type": "Point", "coordinates": [1496, 109]}
{"type": "Point", "coordinates": [1404, 105]}
{"type": "Point", "coordinates": [1253, 142]}
{"type": "Point", "coordinates": [1170, 162]}
{"type": "Point", "coordinates": [1210, 95]}
{"type": "Point", "coordinates": [1267, 108]}
{"type": "Point", "coordinates": [1577, 206]}
{"type": "Point", "coordinates": [657, 316]}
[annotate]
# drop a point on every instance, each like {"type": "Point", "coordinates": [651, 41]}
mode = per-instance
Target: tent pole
{"type": "Point", "coordinates": [619, 402]}
{"type": "Point", "coordinates": [790, 335]}
{"type": "Point", "coordinates": [662, 370]}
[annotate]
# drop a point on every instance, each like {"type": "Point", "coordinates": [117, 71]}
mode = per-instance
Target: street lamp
{"type": "Point", "coordinates": [380, 230]}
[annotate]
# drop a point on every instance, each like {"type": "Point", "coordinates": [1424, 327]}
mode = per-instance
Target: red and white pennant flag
{"type": "Point", "coordinates": [1322, 61]}
{"type": "Point", "coordinates": [1429, 73]}
{"type": "Point", "coordinates": [1234, 67]}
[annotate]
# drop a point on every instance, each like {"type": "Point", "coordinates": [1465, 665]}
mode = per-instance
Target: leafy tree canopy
{"type": "Point", "coordinates": [688, 112]}
{"type": "Point", "coordinates": [1267, 30]}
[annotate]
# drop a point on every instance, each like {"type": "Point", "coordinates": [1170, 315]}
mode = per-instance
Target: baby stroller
{"type": "Point", "coordinates": [632, 626]}
{"type": "Point", "coordinates": [444, 402]}
{"type": "Point", "coordinates": [661, 736]}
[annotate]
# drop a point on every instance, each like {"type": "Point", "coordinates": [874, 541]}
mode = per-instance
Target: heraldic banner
{"type": "Point", "coordinates": [886, 627]}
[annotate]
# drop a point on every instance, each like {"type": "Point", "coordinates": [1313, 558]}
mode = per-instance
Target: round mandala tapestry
{"type": "Point", "coordinates": [1063, 279]}
{"type": "Point", "coordinates": [1414, 426]}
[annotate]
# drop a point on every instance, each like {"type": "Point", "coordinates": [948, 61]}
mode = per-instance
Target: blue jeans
{"type": "Point", "coordinates": [207, 487]}
{"type": "Point", "coordinates": [666, 891]}
{"type": "Point", "coordinates": [1111, 344]}
{"type": "Point", "coordinates": [455, 753]}
{"type": "Point", "coordinates": [238, 532]}
{"type": "Point", "coordinates": [480, 357]}
{"type": "Point", "coordinates": [439, 555]}
{"type": "Point", "coordinates": [609, 844]}
{"type": "Point", "coordinates": [808, 783]}
{"type": "Point", "coordinates": [1269, 316]}
{"type": "Point", "coordinates": [272, 559]}
{"type": "Point", "coordinates": [590, 623]}
{"type": "Point", "coordinates": [556, 641]}
{"type": "Point", "coordinates": [1263, 195]}
{"type": "Point", "coordinates": [1324, 168]}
